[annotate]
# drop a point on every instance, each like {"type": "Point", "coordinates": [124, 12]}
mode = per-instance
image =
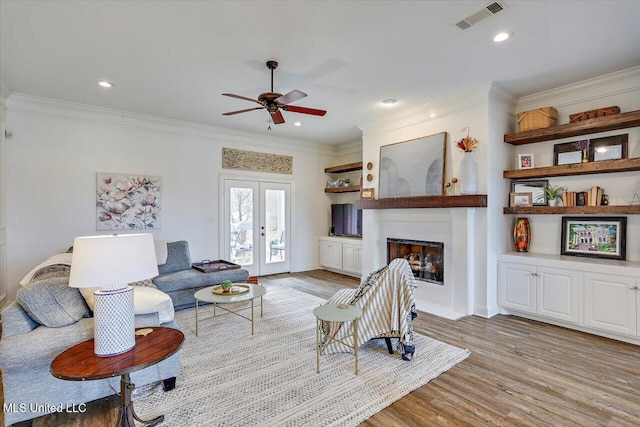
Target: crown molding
{"type": "Point", "coordinates": [350, 148]}
{"type": "Point", "coordinates": [605, 86]}
{"type": "Point", "coordinates": [502, 98]}
{"type": "Point", "coordinates": [434, 110]}
{"type": "Point", "coordinates": [29, 104]}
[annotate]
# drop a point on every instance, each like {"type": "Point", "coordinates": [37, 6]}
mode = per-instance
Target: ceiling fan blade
{"type": "Point", "coordinates": [277, 118]}
{"type": "Point", "coordinates": [231, 113]}
{"type": "Point", "coordinates": [304, 110]}
{"type": "Point", "coordinates": [241, 97]}
{"type": "Point", "coordinates": [290, 97]}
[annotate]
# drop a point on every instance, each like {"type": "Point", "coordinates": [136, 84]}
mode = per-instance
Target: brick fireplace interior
{"type": "Point", "coordinates": [426, 259]}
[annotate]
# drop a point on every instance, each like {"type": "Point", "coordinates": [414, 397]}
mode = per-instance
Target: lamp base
{"type": "Point", "coordinates": [114, 328]}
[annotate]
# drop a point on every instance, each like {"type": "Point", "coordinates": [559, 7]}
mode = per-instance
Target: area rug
{"type": "Point", "coordinates": [231, 378]}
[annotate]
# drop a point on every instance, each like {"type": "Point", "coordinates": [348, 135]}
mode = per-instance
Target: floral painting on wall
{"type": "Point", "coordinates": [127, 202]}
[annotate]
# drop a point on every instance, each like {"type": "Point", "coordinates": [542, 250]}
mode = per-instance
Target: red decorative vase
{"type": "Point", "coordinates": [522, 235]}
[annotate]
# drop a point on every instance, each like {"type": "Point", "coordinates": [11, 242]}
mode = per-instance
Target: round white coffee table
{"type": "Point", "coordinates": [208, 295]}
{"type": "Point", "coordinates": [336, 313]}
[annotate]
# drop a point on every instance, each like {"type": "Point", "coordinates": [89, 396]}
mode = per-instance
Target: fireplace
{"type": "Point", "coordinates": [426, 259]}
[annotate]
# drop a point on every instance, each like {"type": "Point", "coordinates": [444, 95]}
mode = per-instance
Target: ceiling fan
{"type": "Point", "coordinates": [274, 102]}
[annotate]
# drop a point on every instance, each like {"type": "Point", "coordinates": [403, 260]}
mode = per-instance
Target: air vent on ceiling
{"type": "Point", "coordinates": [488, 11]}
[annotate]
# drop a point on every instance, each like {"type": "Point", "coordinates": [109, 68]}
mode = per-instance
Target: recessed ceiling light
{"type": "Point", "coordinates": [389, 102]}
{"type": "Point", "coordinates": [500, 37]}
{"type": "Point", "coordinates": [106, 84]}
{"type": "Point", "coordinates": [297, 124]}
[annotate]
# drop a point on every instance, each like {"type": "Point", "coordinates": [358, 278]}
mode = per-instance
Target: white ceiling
{"type": "Point", "coordinates": [175, 58]}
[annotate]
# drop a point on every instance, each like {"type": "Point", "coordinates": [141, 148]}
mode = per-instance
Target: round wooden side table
{"type": "Point", "coordinates": [79, 363]}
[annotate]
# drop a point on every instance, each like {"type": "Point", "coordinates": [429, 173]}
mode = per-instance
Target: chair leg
{"type": "Point", "coordinates": [389, 346]}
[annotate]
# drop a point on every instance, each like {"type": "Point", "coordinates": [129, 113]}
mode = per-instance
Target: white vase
{"type": "Point", "coordinates": [468, 175]}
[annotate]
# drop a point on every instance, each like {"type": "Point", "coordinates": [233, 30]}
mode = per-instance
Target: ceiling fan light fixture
{"type": "Point", "coordinates": [389, 102]}
{"type": "Point", "coordinates": [502, 36]}
{"type": "Point", "coordinates": [105, 84]}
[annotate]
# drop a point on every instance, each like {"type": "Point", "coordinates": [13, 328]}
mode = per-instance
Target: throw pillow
{"type": "Point", "coordinates": [178, 258]}
{"type": "Point", "coordinates": [51, 302]}
{"type": "Point", "coordinates": [145, 282]}
{"type": "Point", "coordinates": [145, 300]}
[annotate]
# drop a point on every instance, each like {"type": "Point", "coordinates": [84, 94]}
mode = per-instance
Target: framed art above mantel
{"type": "Point", "coordinates": [413, 168]}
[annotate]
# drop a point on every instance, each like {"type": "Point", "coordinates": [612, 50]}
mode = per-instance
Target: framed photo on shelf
{"type": "Point", "coordinates": [609, 148]}
{"type": "Point", "coordinates": [520, 199]}
{"type": "Point", "coordinates": [525, 161]}
{"type": "Point", "coordinates": [367, 193]}
{"type": "Point", "coordinates": [566, 154]}
{"type": "Point", "coordinates": [594, 237]}
{"type": "Point", "coordinates": [536, 188]}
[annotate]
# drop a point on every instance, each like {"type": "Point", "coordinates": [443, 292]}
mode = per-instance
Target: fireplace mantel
{"type": "Point", "coordinates": [471, 201]}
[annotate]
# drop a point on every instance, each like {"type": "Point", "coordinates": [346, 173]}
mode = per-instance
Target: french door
{"type": "Point", "coordinates": [257, 222]}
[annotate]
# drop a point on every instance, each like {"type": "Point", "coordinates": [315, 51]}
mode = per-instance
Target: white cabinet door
{"type": "Point", "coordinates": [349, 258]}
{"type": "Point", "coordinates": [518, 287]}
{"type": "Point", "coordinates": [557, 293]}
{"type": "Point", "coordinates": [358, 259]}
{"type": "Point", "coordinates": [610, 303]}
{"type": "Point", "coordinates": [352, 258]}
{"type": "Point", "coordinates": [331, 255]}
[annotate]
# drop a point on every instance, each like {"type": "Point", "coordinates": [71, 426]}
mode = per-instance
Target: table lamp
{"type": "Point", "coordinates": [111, 263]}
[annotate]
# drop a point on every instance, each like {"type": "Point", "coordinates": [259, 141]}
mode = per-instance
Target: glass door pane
{"type": "Point", "coordinates": [275, 220]}
{"type": "Point", "coordinates": [241, 225]}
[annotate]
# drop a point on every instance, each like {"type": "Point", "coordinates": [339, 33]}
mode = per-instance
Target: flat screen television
{"type": "Point", "coordinates": [346, 220]}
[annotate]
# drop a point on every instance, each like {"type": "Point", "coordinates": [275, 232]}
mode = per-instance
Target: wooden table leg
{"type": "Point", "coordinates": [127, 414]}
{"type": "Point", "coordinates": [196, 316]}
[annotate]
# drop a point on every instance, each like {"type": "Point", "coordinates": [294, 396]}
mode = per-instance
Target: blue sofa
{"type": "Point", "coordinates": [180, 281]}
{"type": "Point", "coordinates": [59, 319]}
{"type": "Point", "coordinates": [27, 349]}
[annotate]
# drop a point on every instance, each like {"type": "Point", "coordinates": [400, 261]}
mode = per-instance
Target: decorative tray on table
{"type": "Point", "coordinates": [234, 290]}
{"type": "Point", "coordinates": [207, 266]}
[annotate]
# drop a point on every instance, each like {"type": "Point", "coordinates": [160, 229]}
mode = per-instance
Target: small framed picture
{"type": "Point", "coordinates": [367, 193]}
{"type": "Point", "coordinates": [536, 188]}
{"type": "Point", "coordinates": [520, 199]}
{"type": "Point", "coordinates": [566, 153]}
{"type": "Point", "coordinates": [608, 148]}
{"type": "Point", "coordinates": [595, 237]}
{"type": "Point", "coordinates": [525, 161]}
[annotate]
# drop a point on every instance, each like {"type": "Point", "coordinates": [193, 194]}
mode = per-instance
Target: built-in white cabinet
{"type": "Point", "coordinates": [546, 291]}
{"type": "Point", "coordinates": [593, 295]}
{"type": "Point", "coordinates": [341, 254]}
{"type": "Point", "coordinates": [611, 303]}
{"type": "Point", "coordinates": [352, 258]}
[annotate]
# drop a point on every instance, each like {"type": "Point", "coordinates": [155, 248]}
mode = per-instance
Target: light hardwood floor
{"type": "Point", "coordinates": [520, 373]}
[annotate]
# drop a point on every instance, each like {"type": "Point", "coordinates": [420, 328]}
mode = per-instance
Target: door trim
{"type": "Point", "coordinates": [255, 177]}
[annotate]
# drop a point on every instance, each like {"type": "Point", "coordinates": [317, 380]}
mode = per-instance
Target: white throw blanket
{"type": "Point", "coordinates": [64, 259]}
{"type": "Point", "coordinates": [388, 308]}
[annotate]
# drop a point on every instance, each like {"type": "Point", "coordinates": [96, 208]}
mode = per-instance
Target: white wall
{"type": "Point", "coordinates": [58, 148]}
{"type": "Point", "coordinates": [621, 89]}
{"type": "Point", "coordinates": [4, 94]}
{"type": "Point", "coordinates": [450, 115]}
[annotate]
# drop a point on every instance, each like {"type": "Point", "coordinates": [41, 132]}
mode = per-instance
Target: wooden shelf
{"type": "Point", "coordinates": [350, 189]}
{"type": "Point", "coordinates": [590, 168]}
{"type": "Point", "coordinates": [577, 210]}
{"type": "Point", "coordinates": [472, 201]}
{"type": "Point", "coordinates": [344, 168]}
{"type": "Point", "coordinates": [598, 124]}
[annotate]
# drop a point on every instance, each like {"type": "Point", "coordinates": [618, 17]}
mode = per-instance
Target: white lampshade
{"type": "Point", "coordinates": [111, 263]}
